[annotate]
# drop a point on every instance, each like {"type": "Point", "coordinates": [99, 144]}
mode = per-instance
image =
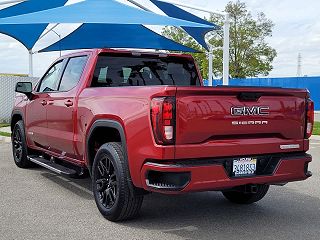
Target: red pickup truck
{"type": "Point", "coordinates": [143, 122]}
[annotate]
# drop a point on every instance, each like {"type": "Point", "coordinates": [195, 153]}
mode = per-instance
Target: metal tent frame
{"type": "Point", "coordinates": [226, 39]}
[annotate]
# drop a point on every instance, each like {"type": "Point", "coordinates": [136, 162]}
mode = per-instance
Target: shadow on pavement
{"type": "Point", "coordinates": [207, 215]}
{"type": "Point", "coordinates": [80, 187]}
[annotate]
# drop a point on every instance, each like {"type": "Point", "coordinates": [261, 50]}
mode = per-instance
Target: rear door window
{"type": "Point", "coordinates": [72, 73]}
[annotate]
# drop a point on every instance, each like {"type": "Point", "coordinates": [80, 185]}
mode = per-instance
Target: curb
{"type": "Point", "coordinates": [5, 139]}
{"type": "Point", "coordinates": [315, 137]}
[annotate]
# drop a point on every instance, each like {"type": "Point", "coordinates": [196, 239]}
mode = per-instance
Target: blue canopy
{"type": "Point", "coordinates": [99, 11]}
{"type": "Point", "coordinates": [115, 36]}
{"type": "Point", "coordinates": [27, 34]}
{"type": "Point", "coordinates": [197, 33]}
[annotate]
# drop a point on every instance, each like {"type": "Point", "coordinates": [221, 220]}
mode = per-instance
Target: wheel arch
{"type": "Point", "coordinates": [105, 125]}
{"type": "Point", "coordinates": [15, 117]}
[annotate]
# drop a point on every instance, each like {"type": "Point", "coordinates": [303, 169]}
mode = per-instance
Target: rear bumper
{"type": "Point", "coordinates": [214, 174]}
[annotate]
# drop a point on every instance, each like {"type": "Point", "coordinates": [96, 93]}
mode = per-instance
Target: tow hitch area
{"type": "Point", "coordinates": [249, 188]}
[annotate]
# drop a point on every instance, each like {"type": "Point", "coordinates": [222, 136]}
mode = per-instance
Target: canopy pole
{"type": "Point", "coordinates": [49, 30]}
{"type": "Point", "coordinates": [30, 63]}
{"type": "Point", "coordinates": [226, 38]}
{"type": "Point", "coordinates": [139, 5]}
{"type": "Point", "coordinates": [11, 1]}
{"type": "Point", "coordinates": [210, 74]}
{"type": "Point", "coordinates": [226, 49]}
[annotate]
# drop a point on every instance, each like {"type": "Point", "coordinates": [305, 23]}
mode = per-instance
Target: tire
{"type": "Point", "coordinates": [19, 146]}
{"type": "Point", "coordinates": [240, 197]}
{"type": "Point", "coordinates": [116, 197]}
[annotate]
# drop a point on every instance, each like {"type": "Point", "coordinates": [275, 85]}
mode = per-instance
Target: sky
{"type": "Point", "coordinates": [297, 30]}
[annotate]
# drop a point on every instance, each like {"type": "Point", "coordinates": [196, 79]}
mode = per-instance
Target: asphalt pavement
{"type": "Point", "coordinates": [38, 204]}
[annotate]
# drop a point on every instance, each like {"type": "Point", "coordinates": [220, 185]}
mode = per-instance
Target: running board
{"type": "Point", "coordinates": [52, 166]}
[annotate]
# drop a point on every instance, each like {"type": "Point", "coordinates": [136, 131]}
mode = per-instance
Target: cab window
{"type": "Point", "coordinates": [50, 81]}
{"type": "Point", "coordinates": [144, 70]}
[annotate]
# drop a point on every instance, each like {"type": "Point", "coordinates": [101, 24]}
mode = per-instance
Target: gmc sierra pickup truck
{"type": "Point", "coordinates": [143, 122]}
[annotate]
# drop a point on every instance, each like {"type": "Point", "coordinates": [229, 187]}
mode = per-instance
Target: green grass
{"type": "Point", "coordinates": [13, 74]}
{"type": "Point", "coordinates": [5, 134]}
{"type": "Point", "coordinates": [316, 128]}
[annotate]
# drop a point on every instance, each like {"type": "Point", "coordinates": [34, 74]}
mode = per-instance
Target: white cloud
{"type": "Point", "coordinates": [297, 29]}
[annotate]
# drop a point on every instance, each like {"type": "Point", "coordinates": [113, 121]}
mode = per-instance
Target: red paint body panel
{"type": "Point", "coordinates": [130, 106]}
{"type": "Point", "coordinates": [206, 112]}
{"type": "Point", "coordinates": [60, 130]}
{"type": "Point", "coordinates": [203, 127]}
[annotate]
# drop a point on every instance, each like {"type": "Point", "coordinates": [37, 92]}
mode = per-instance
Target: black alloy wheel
{"type": "Point", "coordinates": [116, 197]}
{"type": "Point", "coordinates": [106, 182]}
{"type": "Point", "coordinates": [19, 146]}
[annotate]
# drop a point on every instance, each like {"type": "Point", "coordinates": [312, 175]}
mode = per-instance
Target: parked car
{"type": "Point", "coordinates": [143, 122]}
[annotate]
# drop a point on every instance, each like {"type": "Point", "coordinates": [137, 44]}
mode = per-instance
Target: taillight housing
{"type": "Point", "coordinates": [163, 116]}
{"type": "Point", "coordinates": [309, 118]}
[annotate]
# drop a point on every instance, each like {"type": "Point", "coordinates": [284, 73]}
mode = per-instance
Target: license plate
{"type": "Point", "coordinates": [244, 167]}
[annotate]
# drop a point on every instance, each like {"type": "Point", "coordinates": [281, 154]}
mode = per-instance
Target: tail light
{"type": "Point", "coordinates": [163, 119]}
{"type": "Point", "coordinates": [309, 118]}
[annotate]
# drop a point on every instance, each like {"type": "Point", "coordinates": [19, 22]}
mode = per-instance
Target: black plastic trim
{"type": "Point", "coordinates": [16, 112]}
{"type": "Point", "coordinates": [110, 124]}
{"type": "Point", "coordinates": [268, 167]}
{"type": "Point", "coordinates": [167, 181]}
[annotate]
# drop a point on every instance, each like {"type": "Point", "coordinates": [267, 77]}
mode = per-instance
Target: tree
{"type": "Point", "coordinates": [250, 54]}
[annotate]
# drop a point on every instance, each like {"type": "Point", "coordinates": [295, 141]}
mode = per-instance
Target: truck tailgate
{"type": "Point", "coordinates": [225, 116]}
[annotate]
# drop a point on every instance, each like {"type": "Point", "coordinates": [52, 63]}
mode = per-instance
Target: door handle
{"type": "Point", "coordinates": [43, 102]}
{"type": "Point", "coordinates": [68, 103]}
{"type": "Point", "coordinates": [50, 102]}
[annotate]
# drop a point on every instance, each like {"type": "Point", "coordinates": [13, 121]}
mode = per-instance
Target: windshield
{"type": "Point", "coordinates": [129, 70]}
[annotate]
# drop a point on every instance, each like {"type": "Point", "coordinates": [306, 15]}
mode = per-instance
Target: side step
{"type": "Point", "coordinates": [53, 166]}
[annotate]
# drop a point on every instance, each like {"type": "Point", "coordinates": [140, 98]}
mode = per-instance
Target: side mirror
{"type": "Point", "coordinates": [25, 88]}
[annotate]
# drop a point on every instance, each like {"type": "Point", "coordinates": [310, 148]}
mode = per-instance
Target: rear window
{"type": "Point", "coordinates": [117, 71]}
